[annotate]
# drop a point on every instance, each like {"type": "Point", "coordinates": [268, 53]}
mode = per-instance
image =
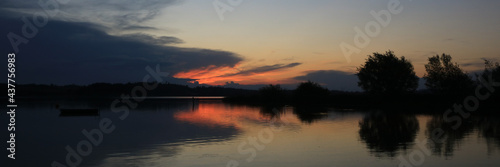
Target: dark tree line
{"type": "Point", "coordinates": [383, 76]}
{"type": "Point", "coordinates": [388, 74]}
{"type": "Point", "coordinates": [306, 92]}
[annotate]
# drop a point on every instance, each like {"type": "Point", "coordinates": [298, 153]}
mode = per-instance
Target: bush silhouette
{"type": "Point", "coordinates": [311, 92]}
{"type": "Point", "coordinates": [446, 77]}
{"type": "Point", "coordinates": [491, 71]}
{"type": "Point", "coordinates": [387, 74]}
{"type": "Point", "coordinates": [271, 93]}
{"type": "Point", "coordinates": [489, 79]}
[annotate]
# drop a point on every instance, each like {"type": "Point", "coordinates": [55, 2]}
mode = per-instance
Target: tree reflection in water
{"type": "Point", "coordinates": [307, 114]}
{"type": "Point", "coordinates": [272, 112]}
{"type": "Point", "coordinates": [451, 138]}
{"type": "Point", "coordinates": [489, 128]}
{"type": "Point", "coordinates": [387, 133]}
{"type": "Point", "coordinates": [486, 127]}
{"type": "Point", "coordinates": [310, 114]}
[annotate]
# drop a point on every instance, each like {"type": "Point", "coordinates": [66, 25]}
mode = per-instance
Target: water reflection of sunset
{"type": "Point", "coordinates": [213, 115]}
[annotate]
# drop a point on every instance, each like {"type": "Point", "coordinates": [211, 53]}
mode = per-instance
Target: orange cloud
{"type": "Point", "coordinates": [214, 75]}
{"type": "Point", "coordinates": [206, 72]}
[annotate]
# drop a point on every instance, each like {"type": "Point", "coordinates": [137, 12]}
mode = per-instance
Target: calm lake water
{"type": "Point", "coordinates": [167, 132]}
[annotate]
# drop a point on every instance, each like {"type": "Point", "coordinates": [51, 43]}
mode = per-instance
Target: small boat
{"type": "Point", "coordinates": [78, 112]}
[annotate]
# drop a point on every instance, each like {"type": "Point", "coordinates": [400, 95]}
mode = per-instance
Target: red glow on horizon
{"type": "Point", "coordinates": [213, 75]}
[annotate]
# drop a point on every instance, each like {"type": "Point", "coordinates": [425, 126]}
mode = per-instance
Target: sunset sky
{"type": "Point", "coordinates": [256, 42]}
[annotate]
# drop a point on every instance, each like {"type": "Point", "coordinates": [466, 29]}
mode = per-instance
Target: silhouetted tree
{"type": "Point", "coordinates": [446, 77]}
{"type": "Point", "coordinates": [490, 79]}
{"type": "Point", "coordinates": [271, 93]}
{"type": "Point", "coordinates": [387, 74]}
{"type": "Point", "coordinates": [491, 71]}
{"type": "Point", "coordinates": [311, 92]}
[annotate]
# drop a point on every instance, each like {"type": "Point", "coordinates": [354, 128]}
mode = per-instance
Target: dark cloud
{"type": "Point", "coordinates": [119, 14]}
{"type": "Point", "coordinates": [163, 40]}
{"type": "Point", "coordinates": [82, 53]}
{"type": "Point", "coordinates": [136, 27]}
{"type": "Point", "coordinates": [456, 40]}
{"type": "Point", "coordinates": [13, 4]}
{"type": "Point", "coordinates": [480, 64]}
{"type": "Point", "coordinates": [180, 81]}
{"type": "Point", "coordinates": [473, 64]}
{"type": "Point", "coordinates": [263, 69]}
{"type": "Point", "coordinates": [333, 80]}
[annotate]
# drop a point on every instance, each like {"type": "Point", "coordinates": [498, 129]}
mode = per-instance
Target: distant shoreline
{"type": "Point", "coordinates": [336, 99]}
